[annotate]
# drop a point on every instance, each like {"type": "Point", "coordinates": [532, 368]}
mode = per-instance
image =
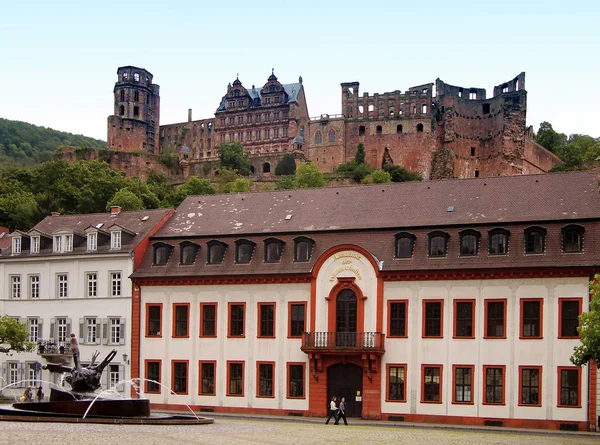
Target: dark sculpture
{"type": "Point", "coordinates": [82, 379]}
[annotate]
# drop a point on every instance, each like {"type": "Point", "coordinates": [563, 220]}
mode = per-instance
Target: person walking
{"type": "Point", "coordinates": [332, 411]}
{"type": "Point", "coordinates": [343, 411]}
{"type": "Point", "coordinates": [40, 394]}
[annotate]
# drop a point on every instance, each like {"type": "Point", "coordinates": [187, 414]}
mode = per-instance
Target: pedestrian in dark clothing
{"type": "Point", "coordinates": [343, 411]}
{"type": "Point", "coordinates": [333, 410]}
{"type": "Point", "coordinates": [40, 394]}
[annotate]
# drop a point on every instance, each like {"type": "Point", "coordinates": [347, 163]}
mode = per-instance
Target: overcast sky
{"type": "Point", "coordinates": [59, 59]}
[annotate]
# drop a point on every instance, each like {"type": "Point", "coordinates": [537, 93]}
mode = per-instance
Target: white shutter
{"type": "Point", "coordinates": [98, 330]}
{"type": "Point", "coordinates": [21, 375]}
{"type": "Point", "coordinates": [53, 335]}
{"type": "Point", "coordinates": [105, 378]}
{"type": "Point", "coordinates": [5, 372]}
{"type": "Point", "coordinates": [40, 328]}
{"type": "Point", "coordinates": [121, 387]}
{"type": "Point", "coordinates": [68, 328]}
{"type": "Point", "coordinates": [105, 333]}
{"type": "Point", "coordinates": [82, 331]}
{"type": "Point", "coordinates": [123, 330]}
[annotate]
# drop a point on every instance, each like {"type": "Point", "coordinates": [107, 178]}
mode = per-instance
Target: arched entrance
{"type": "Point", "coordinates": [345, 380]}
{"type": "Point", "coordinates": [345, 318]}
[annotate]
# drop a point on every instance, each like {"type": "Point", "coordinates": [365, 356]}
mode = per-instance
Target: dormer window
{"type": "Point", "coordinates": [438, 244]}
{"type": "Point", "coordinates": [160, 254]}
{"type": "Point", "coordinates": [572, 237]}
{"type": "Point", "coordinates": [498, 241]}
{"type": "Point", "coordinates": [68, 243]}
{"type": "Point", "coordinates": [244, 250]}
{"type": "Point", "coordinates": [92, 242]}
{"type": "Point", "coordinates": [115, 240]}
{"type": "Point", "coordinates": [273, 249]}
{"type": "Point", "coordinates": [303, 249]}
{"type": "Point", "coordinates": [189, 251]}
{"type": "Point", "coordinates": [16, 245]}
{"type": "Point", "coordinates": [35, 244]}
{"type": "Point", "coordinates": [58, 243]}
{"type": "Point", "coordinates": [216, 252]}
{"type": "Point", "coordinates": [535, 240]}
{"type": "Point", "coordinates": [469, 243]}
{"type": "Point", "coordinates": [405, 243]}
{"type": "Point", "coordinates": [62, 243]}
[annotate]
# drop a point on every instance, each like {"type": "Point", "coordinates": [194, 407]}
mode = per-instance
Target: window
{"type": "Point", "coordinates": [399, 128]}
{"type": "Point", "coordinates": [243, 251]}
{"type": "Point", "coordinates": [152, 384]}
{"type": "Point", "coordinates": [419, 128]}
{"type": "Point", "coordinates": [405, 243]}
{"type": "Point", "coordinates": [495, 318]}
{"type": "Point", "coordinates": [91, 284]}
{"type": "Point", "coordinates": [431, 389]}
{"type": "Point", "coordinates": [189, 251]}
{"type": "Point", "coordinates": [115, 284]}
{"type": "Point", "coordinates": [257, 135]}
{"type": "Point", "coordinates": [424, 109]}
{"type": "Point", "coordinates": [33, 373]}
{"type": "Point", "coordinates": [121, 110]}
{"type": "Point", "coordinates": [15, 286]}
{"type": "Point", "coordinates": [464, 319]}
{"type": "Point", "coordinates": [572, 238]}
{"type": "Point", "coordinates": [531, 318]}
{"type": "Point", "coordinates": [462, 384]}
{"type": "Point", "coordinates": [216, 252]}
{"type": "Point", "coordinates": [236, 319]}
{"type": "Point", "coordinates": [569, 310]}
{"type": "Point", "coordinates": [569, 387]}
{"type": "Point", "coordinates": [331, 135]}
{"type": "Point", "coordinates": [63, 326]}
{"type": "Point", "coordinates": [438, 242]}
{"type": "Point", "coordinates": [115, 240]}
{"type": "Point", "coordinates": [493, 385]}
{"type": "Point", "coordinates": [535, 238]}
{"type": "Point", "coordinates": [116, 327]}
{"type": "Point", "coordinates": [160, 254]}
{"type": "Point", "coordinates": [114, 377]}
{"type": "Point", "coordinates": [397, 318]}
{"type": "Point", "coordinates": [266, 319]}
{"type": "Point", "coordinates": [379, 129]}
{"type": "Point", "coordinates": [13, 372]}
{"type": "Point", "coordinates": [361, 129]}
{"type": "Point", "coordinates": [181, 319]}
{"type": "Point", "coordinates": [57, 245]}
{"type": "Point", "coordinates": [91, 334]}
{"type": "Point", "coordinates": [33, 328]}
{"type": "Point", "coordinates": [136, 110]}
{"type": "Point", "coordinates": [153, 320]}
{"type": "Point", "coordinates": [302, 249]}
{"type": "Point", "coordinates": [296, 313]}
{"type": "Point", "coordinates": [265, 379]}
{"type": "Point", "coordinates": [498, 241]}
{"type": "Point", "coordinates": [396, 389]}
{"type": "Point", "coordinates": [136, 77]}
{"type": "Point", "coordinates": [268, 133]}
{"type": "Point", "coordinates": [35, 244]}
{"type": "Point", "coordinates": [235, 378]}
{"type": "Point", "coordinates": [485, 108]}
{"type": "Point", "coordinates": [34, 286]}
{"type": "Point", "coordinates": [469, 243]}
{"type": "Point", "coordinates": [273, 249]}
{"type": "Point", "coordinates": [179, 380]}
{"type": "Point", "coordinates": [63, 285]}
{"type": "Point", "coordinates": [136, 96]}
{"type": "Point", "coordinates": [122, 95]}
{"type": "Point", "coordinates": [208, 319]}
{"type": "Point", "coordinates": [92, 241]}
{"type": "Point", "coordinates": [207, 378]}
{"type": "Point", "coordinates": [530, 385]}
{"type": "Point", "coordinates": [295, 383]}
{"type": "Point", "coordinates": [68, 243]}
{"type": "Point", "coordinates": [16, 245]}
{"type": "Point", "coordinates": [433, 323]}
{"type": "Point", "coordinates": [318, 138]}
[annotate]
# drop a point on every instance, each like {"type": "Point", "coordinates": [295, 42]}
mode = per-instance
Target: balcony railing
{"type": "Point", "coordinates": [53, 348]}
{"type": "Point", "coordinates": [343, 341]}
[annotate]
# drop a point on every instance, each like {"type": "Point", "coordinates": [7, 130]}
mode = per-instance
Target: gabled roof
{"type": "Point", "coordinates": [291, 89]}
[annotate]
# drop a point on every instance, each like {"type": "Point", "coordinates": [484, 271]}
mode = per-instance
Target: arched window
{"type": "Point", "coordinates": [379, 129]}
{"type": "Point", "coordinates": [243, 251]}
{"type": "Point", "coordinates": [189, 251]}
{"type": "Point", "coordinates": [419, 128]}
{"type": "Point", "coordinates": [405, 243]}
{"type": "Point", "coordinates": [252, 170]}
{"type": "Point", "coordinates": [399, 128]}
{"type": "Point", "coordinates": [318, 138]}
{"type": "Point", "coordinates": [498, 241]}
{"type": "Point", "coordinates": [136, 77]}
{"type": "Point", "coordinates": [331, 135]}
{"type": "Point", "coordinates": [273, 250]}
{"type": "Point", "coordinates": [535, 240]}
{"type": "Point", "coordinates": [125, 76]}
{"type": "Point", "coordinates": [303, 248]}
{"type": "Point", "coordinates": [216, 252]}
{"type": "Point", "coordinates": [469, 242]}
{"type": "Point", "coordinates": [266, 168]}
{"type": "Point", "coordinates": [160, 254]}
{"type": "Point", "coordinates": [572, 238]}
{"type": "Point", "coordinates": [438, 244]}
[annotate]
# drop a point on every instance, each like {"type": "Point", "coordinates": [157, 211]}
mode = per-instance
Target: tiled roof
{"type": "Point", "coordinates": [292, 90]}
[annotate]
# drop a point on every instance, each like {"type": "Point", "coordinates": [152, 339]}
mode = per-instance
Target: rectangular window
{"type": "Point", "coordinates": [295, 386]}
{"type": "Point", "coordinates": [152, 383]}
{"type": "Point", "coordinates": [433, 318]}
{"type": "Point", "coordinates": [181, 319]}
{"type": "Point", "coordinates": [495, 318]}
{"type": "Point", "coordinates": [276, 133]}
{"type": "Point", "coordinates": [114, 377]}
{"type": "Point", "coordinates": [153, 320]}
{"type": "Point", "coordinates": [493, 385]}
{"type": "Point", "coordinates": [34, 286]}
{"type": "Point", "coordinates": [531, 318]}
{"type": "Point", "coordinates": [265, 375]}
{"type": "Point", "coordinates": [236, 319]}
{"type": "Point", "coordinates": [462, 384]}
{"type": "Point", "coordinates": [33, 327]}
{"type": "Point", "coordinates": [235, 378]}
{"type": "Point", "coordinates": [57, 243]}
{"type": "Point", "coordinates": [115, 240]}
{"type": "Point", "coordinates": [179, 377]}
{"type": "Point", "coordinates": [35, 244]}
{"type": "Point", "coordinates": [68, 243]}
{"type": "Point", "coordinates": [431, 388]}
{"type": "Point", "coordinates": [115, 327]}
{"type": "Point", "coordinates": [208, 319]}
{"type": "Point", "coordinates": [464, 319]}
{"type": "Point", "coordinates": [284, 130]}
{"type": "Point", "coordinates": [91, 284]}
{"type": "Point", "coordinates": [569, 310]}
{"type": "Point", "coordinates": [297, 324]}
{"type": "Point", "coordinates": [13, 372]}
{"type": "Point", "coordinates": [257, 135]}
{"type": "Point", "coordinates": [207, 378]}
{"type": "Point", "coordinates": [397, 318]}
{"type": "Point", "coordinates": [266, 319]}
{"type": "Point", "coordinates": [91, 330]}
{"type": "Point", "coordinates": [569, 387]}
{"type": "Point", "coordinates": [33, 371]}
{"type": "Point", "coordinates": [268, 134]}
{"type": "Point", "coordinates": [15, 286]}
{"type": "Point", "coordinates": [62, 326]}
{"type": "Point", "coordinates": [115, 284]}
{"type": "Point", "coordinates": [396, 389]}
{"type": "Point", "coordinates": [16, 245]}
{"type": "Point", "coordinates": [530, 385]}
{"type": "Point", "coordinates": [63, 285]}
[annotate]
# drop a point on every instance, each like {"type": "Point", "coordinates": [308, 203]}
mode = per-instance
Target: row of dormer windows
{"type": "Point", "coordinates": [64, 243]}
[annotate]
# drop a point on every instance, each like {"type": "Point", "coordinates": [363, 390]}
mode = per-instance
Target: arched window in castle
{"type": "Point", "coordinates": [424, 109]}
{"type": "Point", "coordinates": [318, 138]}
{"type": "Point", "coordinates": [121, 110]}
{"type": "Point", "coordinates": [361, 130]}
{"type": "Point", "coordinates": [122, 95]}
{"type": "Point", "coordinates": [331, 135]}
{"type": "Point", "coordinates": [136, 77]}
{"type": "Point", "coordinates": [469, 242]}
{"type": "Point", "coordinates": [303, 247]}
{"type": "Point", "coordinates": [266, 167]}
{"type": "Point", "coordinates": [189, 251]}
{"type": "Point", "coordinates": [438, 244]}
{"type": "Point", "coordinates": [498, 241]}
{"type": "Point", "coordinates": [535, 240]}
{"type": "Point", "coordinates": [405, 243]}
{"type": "Point", "coordinates": [399, 128]}
{"type": "Point", "coordinates": [136, 111]}
{"type": "Point", "coordinates": [572, 238]}
{"type": "Point", "coordinates": [243, 251]}
{"type": "Point", "coordinates": [379, 129]}
{"type": "Point", "coordinates": [273, 250]}
{"type": "Point", "coordinates": [125, 76]}
{"type": "Point", "coordinates": [419, 128]}
{"type": "Point", "coordinates": [160, 254]}
{"type": "Point", "coordinates": [216, 252]}
{"type": "Point", "coordinates": [136, 96]}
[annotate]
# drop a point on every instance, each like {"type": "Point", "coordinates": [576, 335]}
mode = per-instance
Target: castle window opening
{"type": "Point", "coordinates": [125, 76]}
{"type": "Point", "coordinates": [236, 93]}
{"type": "Point", "coordinates": [477, 173]}
{"type": "Point", "coordinates": [257, 118]}
{"type": "Point", "coordinates": [516, 84]}
{"type": "Point", "coordinates": [504, 88]}
{"type": "Point", "coordinates": [276, 99]}
{"type": "Point", "coordinates": [419, 128]}
{"type": "Point", "coordinates": [318, 138]}
{"type": "Point", "coordinates": [472, 95]}
{"type": "Point", "coordinates": [361, 109]}
{"type": "Point", "coordinates": [122, 95]}
{"type": "Point", "coordinates": [460, 91]}
{"type": "Point", "coordinates": [266, 167]}
{"type": "Point", "coordinates": [136, 96]}
{"type": "Point", "coordinates": [252, 169]}
{"type": "Point", "coordinates": [379, 129]}
{"type": "Point", "coordinates": [276, 116]}
{"type": "Point", "coordinates": [424, 90]}
{"type": "Point", "coordinates": [268, 100]}
{"type": "Point", "coordinates": [361, 130]}
{"type": "Point", "coordinates": [371, 108]}
{"type": "Point", "coordinates": [268, 133]}
{"type": "Point", "coordinates": [285, 115]}
{"type": "Point", "coordinates": [331, 135]}
{"type": "Point", "coordinates": [485, 108]}
{"type": "Point", "coordinates": [424, 109]}
{"type": "Point", "coordinates": [249, 136]}
{"type": "Point", "coordinates": [272, 89]}
{"type": "Point", "coordinates": [414, 109]}
{"type": "Point", "coordinates": [208, 142]}
{"type": "Point", "coordinates": [399, 128]}
{"type": "Point", "coordinates": [232, 120]}
{"type": "Point", "coordinates": [148, 99]}
{"type": "Point", "coordinates": [350, 91]}
{"type": "Point", "coordinates": [267, 116]}
{"type": "Point", "coordinates": [472, 151]}
{"type": "Point", "coordinates": [276, 132]}
{"type": "Point", "coordinates": [222, 138]}
{"type": "Point", "coordinates": [121, 110]}
{"type": "Point", "coordinates": [240, 103]}
{"type": "Point", "coordinates": [136, 77]}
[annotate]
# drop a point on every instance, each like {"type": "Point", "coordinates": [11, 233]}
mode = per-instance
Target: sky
{"type": "Point", "coordinates": [58, 59]}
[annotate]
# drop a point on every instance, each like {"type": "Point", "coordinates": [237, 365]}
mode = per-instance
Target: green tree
{"type": "Point", "coordinates": [286, 183]}
{"type": "Point", "coordinates": [127, 200]}
{"type": "Point", "coordinates": [589, 329]}
{"type": "Point", "coordinates": [193, 186]}
{"type": "Point", "coordinates": [357, 169]}
{"type": "Point", "coordinates": [377, 177]}
{"type": "Point", "coordinates": [577, 154]}
{"type": "Point", "coordinates": [308, 175]}
{"type": "Point", "coordinates": [234, 157]}
{"type": "Point", "coordinates": [240, 185]}
{"type": "Point", "coordinates": [548, 138]}
{"type": "Point", "coordinates": [360, 153]}
{"type": "Point", "coordinates": [14, 336]}
{"type": "Point", "coordinates": [286, 166]}
{"type": "Point", "coordinates": [18, 207]}
{"type": "Point", "coordinates": [400, 174]}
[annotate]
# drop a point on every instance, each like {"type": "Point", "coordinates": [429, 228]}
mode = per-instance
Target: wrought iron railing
{"type": "Point", "coordinates": [53, 347]}
{"type": "Point", "coordinates": [343, 340]}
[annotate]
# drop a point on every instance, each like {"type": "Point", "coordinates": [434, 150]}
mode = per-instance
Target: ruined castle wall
{"type": "Point", "coordinates": [126, 134]}
{"type": "Point", "coordinates": [536, 159]}
{"type": "Point", "coordinates": [329, 153]}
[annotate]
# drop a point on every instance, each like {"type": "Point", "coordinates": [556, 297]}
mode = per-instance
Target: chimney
{"type": "Point", "coordinates": [54, 214]}
{"type": "Point", "coordinates": [189, 115]}
{"type": "Point", "coordinates": [115, 210]}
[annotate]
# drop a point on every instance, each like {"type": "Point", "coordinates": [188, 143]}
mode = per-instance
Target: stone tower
{"type": "Point", "coordinates": [135, 122]}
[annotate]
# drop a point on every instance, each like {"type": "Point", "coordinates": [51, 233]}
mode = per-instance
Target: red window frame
{"type": "Point", "coordinates": [146, 362]}
{"type": "Point", "coordinates": [522, 320]}
{"type": "Point", "coordinates": [209, 362]}
{"type": "Point", "coordinates": [520, 394]}
{"type": "Point", "coordinates": [454, 318]}
{"type": "Point", "coordinates": [440, 391]}
{"type": "Point", "coordinates": [560, 318]}
{"type": "Point", "coordinates": [558, 399]}
{"type": "Point", "coordinates": [454, 368]}
{"type": "Point", "coordinates": [160, 306]}
{"type": "Point", "coordinates": [187, 376]}
{"type": "Point", "coordinates": [485, 317]}
{"type": "Point", "coordinates": [273, 387]}
{"type": "Point", "coordinates": [259, 319]}
{"type": "Point", "coordinates": [424, 318]}
{"type": "Point", "coordinates": [389, 318]}
{"type": "Point", "coordinates": [287, 386]}
{"type": "Point", "coordinates": [295, 303]}
{"type": "Point", "coordinates": [174, 326]}
{"type": "Point", "coordinates": [387, 386]}
{"type": "Point", "coordinates": [484, 393]}
{"type": "Point", "coordinates": [201, 327]}
{"type": "Point", "coordinates": [229, 305]}
{"type": "Point", "coordinates": [228, 383]}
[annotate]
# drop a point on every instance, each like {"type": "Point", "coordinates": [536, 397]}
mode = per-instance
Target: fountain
{"type": "Point", "coordinates": [84, 403]}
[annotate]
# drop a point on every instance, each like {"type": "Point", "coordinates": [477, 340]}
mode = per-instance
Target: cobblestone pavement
{"type": "Point", "coordinates": [249, 431]}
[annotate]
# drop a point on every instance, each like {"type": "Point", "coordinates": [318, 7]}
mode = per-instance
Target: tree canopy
{"type": "Point", "coordinates": [308, 175]}
{"type": "Point", "coordinates": [14, 336]}
{"type": "Point", "coordinates": [286, 166]}
{"type": "Point", "coordinates": [357, 169]}
{"type": "Point", "coordinates": [233, 157]}
{"type": "Point", "coordinates": [589, 329]}
{"type": "Point", "coordinates": [577, 151]}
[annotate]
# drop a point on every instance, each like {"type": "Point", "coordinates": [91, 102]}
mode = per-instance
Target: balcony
{"type": "Point", "coordinates": [343, 342]}
{"type": "Point", "coordinates": [54, 352]}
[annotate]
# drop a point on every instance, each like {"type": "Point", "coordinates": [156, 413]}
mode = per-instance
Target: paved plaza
{"type": "Point", "coordinates": [275, 432]}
